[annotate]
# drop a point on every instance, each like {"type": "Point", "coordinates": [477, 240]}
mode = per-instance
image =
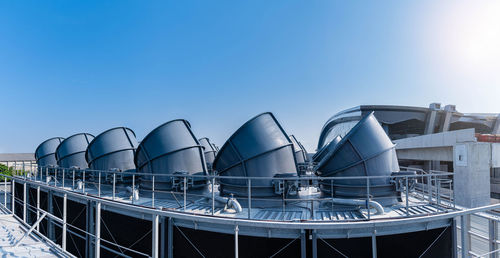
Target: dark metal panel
{"type": "Point", "coordinates": [300, 151]}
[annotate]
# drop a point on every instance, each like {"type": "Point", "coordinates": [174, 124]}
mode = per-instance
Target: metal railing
{"type": "Point", "coordinates": [291, 194]}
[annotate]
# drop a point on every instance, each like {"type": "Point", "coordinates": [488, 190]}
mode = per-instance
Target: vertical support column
{"type": "Point", "coordinates": [64, 226]}
{"type": "Point", "coordinates": [38, 207]}
{"type": "Point", "coordinates": [5, 192]}
{"type": "Point", "coordinates": [454, 236]}
{"type": "Point", "coordinates": [154, 250]}
{"type": "Point", "coordinates": [50, 208]}
{"type": "Point", "coordinates": [374, 244]}
{"type": "Point", "coordinates": [493, 232]}
{"type": "Point", "coordinates": [303, 248]}
{"type": "Point", "coordinates": [236, 252]}
{"type": "Point", "coordinates": [90, 229]}
{"type": "Point", "coordinates": [97, 229]}
{"type": "Point", "coordinates": [162, 236]}
{"type": "Point", "coordinates": [170, 238]}
{"type": "Point", "coordinates": [465, 236]}
{"type": "Point", "coordinates": [314, 244]}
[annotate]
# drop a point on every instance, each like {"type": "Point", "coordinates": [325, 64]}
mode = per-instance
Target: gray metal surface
{"type": "Point", "coordinates": [209, 150]}
{"type": "Point", "coordinates": [112, 149]}
{"type": "Point", "coordinates": [168, 149]}
{"type": "Point", "coordinates": [326, 149]}
{"type": "Point", "coordinates": [300, 151]}
{"type": "Point", "coordinates": [259, 148]}
{"type": "Point", "coordinates": [45, 153]}
{"type": "Point", "coordinates": [365, 151]}
{"type": "Point", "coordinates": [71, 151]}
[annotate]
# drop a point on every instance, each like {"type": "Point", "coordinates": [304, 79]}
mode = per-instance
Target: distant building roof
{"type": "Point", "coordinates": [17, 156]}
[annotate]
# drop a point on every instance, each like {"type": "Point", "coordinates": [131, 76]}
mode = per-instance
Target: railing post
{"type": "Point", "coordinates": [213, 195]}
{"type": "Point", "coordinates": [64, 226]}
{"type": "Point", "coordinates": [5, 192]}
{"type": "Point", "coordinates": [73, 179]}
{"type": "Point", "coordinates": [154, 250]}
{"type": "Point", "coordinates": [367, 196]}
{"type": "Point", "coordinates": [249, 197]}
{"type": "Point", "coordinates": [374, 245]}
{"type": "Point", "coordinates": [13, 192]}
{"type": "Point", "coordinates": [314, 244]}
{"type": "Point", "coordinates": [63, 176]}
{"type": "Point", "coordinates": [438, 193]}
{"type": "Point", "coordinates": [114, 183]}
{"type": "Point", "coordinates": [153, 193]}
{"type": "Point", "coordinates": [99, 185]}
{"type": "Point", "coordinates": [406, 193]}
{"type": "Point", "coordinates": [97, 229]}
{"type": "Point", "coordinates": [133, 188]}
{"type": "Point", "coordinates": [185, 200]}
{"type": "Point", "coordinates": [83, 182]}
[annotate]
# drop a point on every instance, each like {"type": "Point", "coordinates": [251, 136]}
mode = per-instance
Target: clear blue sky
{"type": "Point", "coordinates": [86, 66]}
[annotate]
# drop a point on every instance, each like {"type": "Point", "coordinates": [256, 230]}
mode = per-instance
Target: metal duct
{"type": "Point", "coordinates": [209, 150]}
{"type": "Point", "coordinates": [45, 153]}
{"type": "Point", "coordinates": [326, 149]}
{"type": "Point", "coordinates": [113, 149]}
{"type": "Point", "coordinates": [71, 151]}
{"type": "Point", "coordinates": [365, 151]}
{"type": "Point", "coordinates": [300, 151]}
{"type": "Point", "coordinates": [171, 148]}
{"type": "Point", "coordinates": [259, 148]}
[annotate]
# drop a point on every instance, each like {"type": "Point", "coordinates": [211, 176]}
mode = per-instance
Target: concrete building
{"type": "Point", "coordinates": [18, 161]}
{"type": "Point", "coordinates": [437, 139]}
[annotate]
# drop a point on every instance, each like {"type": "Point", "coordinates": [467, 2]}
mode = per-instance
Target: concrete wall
{"type": "Point", "coordinates": [471, 165]}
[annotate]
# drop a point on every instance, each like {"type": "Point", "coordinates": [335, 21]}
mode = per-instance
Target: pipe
{"type": "Point", "coordinates": [358, 202]}
{"type": "Point", "coordinates": [229, 202]}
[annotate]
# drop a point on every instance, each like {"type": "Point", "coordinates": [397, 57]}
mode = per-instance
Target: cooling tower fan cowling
{"type": "Point", "coordinates": [259, 148]}
{"type": "Point", "coordinates": [171, 148]}
{"type": "Point", "coordinates": [366, 150]}
{"type": "Point", "coordinates": [71, 152]}
{"type": "Point", "coordinates": [45, 153]}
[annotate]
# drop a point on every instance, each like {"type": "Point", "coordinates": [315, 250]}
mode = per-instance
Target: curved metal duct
{"type": "Point", "coordinates": [365, 151]}
{"type": "Point", "coordinates": [208, 149]}
{"type": "Point", "coordinates": [71, 151]}
{"type": "Point", "coordinates": [45, 153]}
{"type": "Point", "coordinates": [113, 149]}
{"type": "Point", "coordinates": [259, 148]}
{"type": "Point", "coordinates": [300, 151]}
{"type": "Point", "coordinates": [171, 148]}
{"type": "Point", "coordinates": [326, 149]}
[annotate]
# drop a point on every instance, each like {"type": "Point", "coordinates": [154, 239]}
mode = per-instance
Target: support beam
{"type": "Point", "coordinates": [465, 236]}
{"type": "Point", "coordinates": [236, 252]}
{"type": "Point", "coordinates": [38, 207]}
{"type": "Point", "coordinates": [64, 226]}
{"type": "Point", "coordinates": [303, 248]}
{"type": "Point", "coordinates": [162, 236]}
{"type": "Point", "coordinates": [154, 250]}
{"type": "Point", "coordinates": [30, 230]}
{"type": "Point", "coordinates": [314, 244]}
{"type": "Point", "coordinates": [97, 229]}
{"type": "Point", "coordinates": [374, 245]}
{"type": "Point", "coordinates": [170, 238]}
{"type": "Point", "coordinates": [493, 232]}
{"type": "Point", "coordinates": [50, 209]}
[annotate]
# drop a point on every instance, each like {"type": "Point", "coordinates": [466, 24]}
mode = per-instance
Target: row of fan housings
{"type": "Point", "coordinates": [260, 153]}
